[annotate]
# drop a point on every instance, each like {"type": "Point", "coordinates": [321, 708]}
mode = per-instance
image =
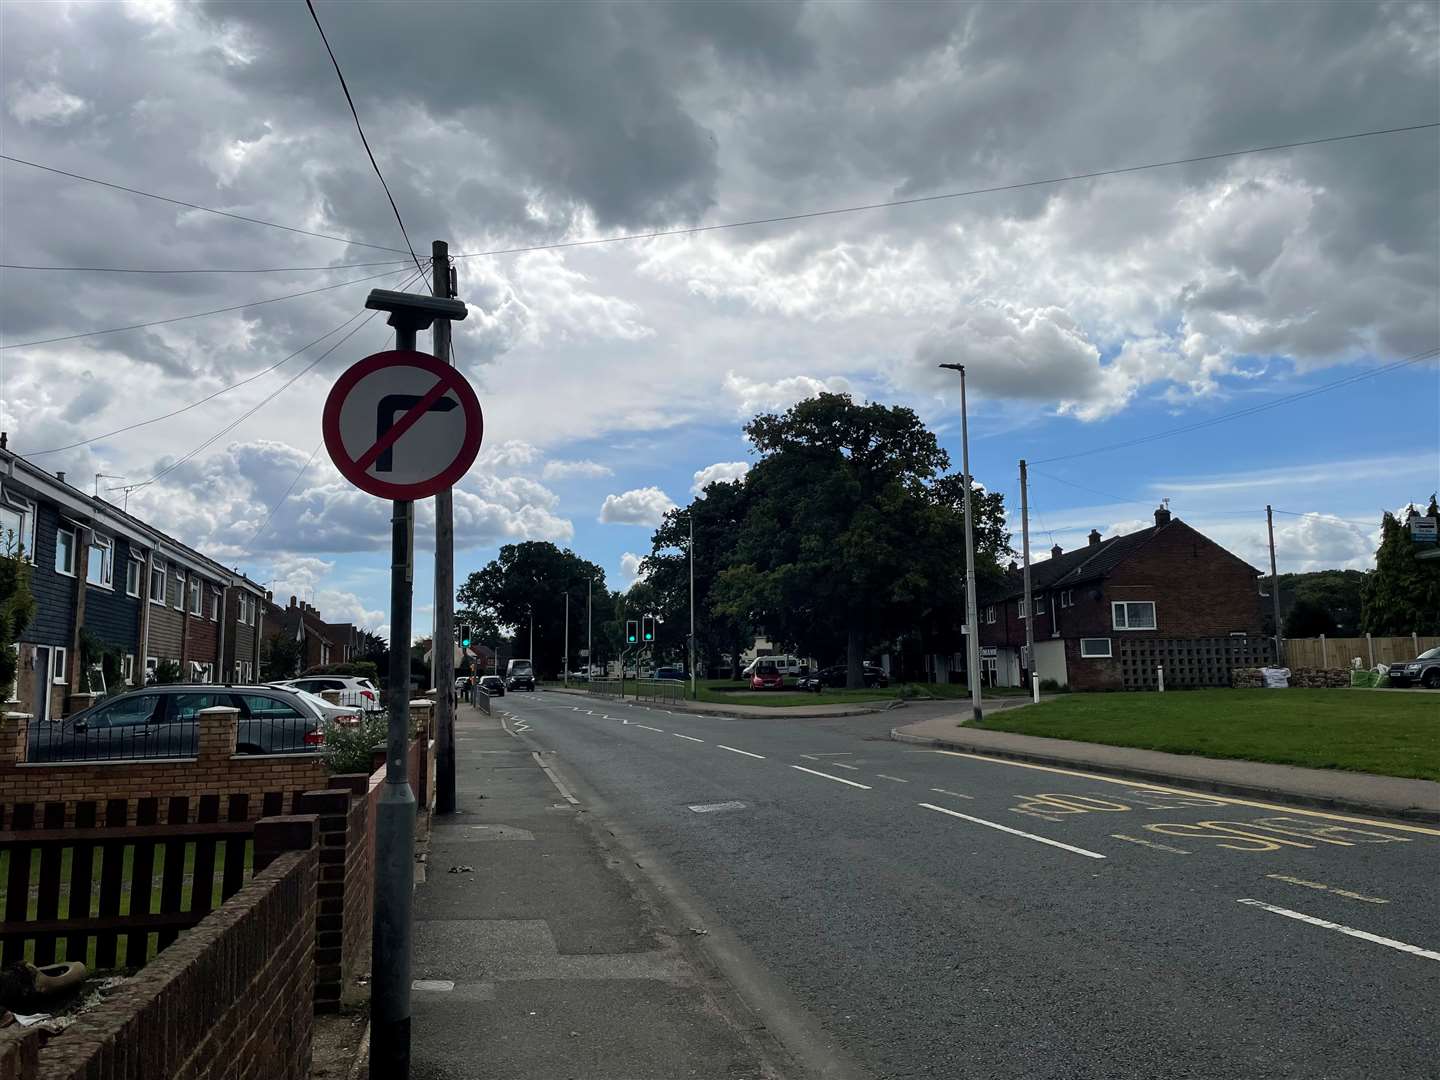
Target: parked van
{"type": "Point", "coordinates": [785, 665]}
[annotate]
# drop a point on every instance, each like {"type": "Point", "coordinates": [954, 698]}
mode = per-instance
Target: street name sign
{"type": "Point", "coordinates": [1423, 530]}
{"type": "Point", "coordinates": [402, 425]}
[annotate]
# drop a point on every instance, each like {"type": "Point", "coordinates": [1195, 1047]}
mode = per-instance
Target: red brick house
{"type": "Point", "coordinates": [1107, 615]}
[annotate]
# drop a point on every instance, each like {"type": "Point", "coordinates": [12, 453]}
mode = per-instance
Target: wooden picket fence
{"type": "Point", "coordinates": [1338, 652]}
{"type": "Point", "coordinates": [112, 892]}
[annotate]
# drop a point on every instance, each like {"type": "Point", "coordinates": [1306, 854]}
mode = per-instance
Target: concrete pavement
{"type": "Point", "coordinates": [935, 914]}
{"type": "Point", "coordinates": [1391, 796]}
{"type": "Point", "coordinates": [539, 955]}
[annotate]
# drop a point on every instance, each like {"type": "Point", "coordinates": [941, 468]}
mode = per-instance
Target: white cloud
{"type": "Point", "coordinates": [303, 577]}
{"type": "Point", "coordinates": [630, 569]}
{"type": "Point", "coordinates": [1323, 542]}
{"type": "Point", "coordinates": [755, 396]}
{"type": "Point", "coordinates": [568, 470]}
{"type": "Point", "coordinates": [639, 506]}
{"type": "Point", "coordinates": [44, 104]}
{"type": "Point", "coordinates": [720, 471]}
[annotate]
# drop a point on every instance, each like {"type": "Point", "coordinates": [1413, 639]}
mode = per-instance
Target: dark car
{"type": "Point", "coordinates": [670, 673]}
{"type": "Point", "coordinates": [493, 685]}
{"type": "Point", "coordinates": [1424, 670]}
{"type": "Point", "coordinates": [835, 677]}
{"type": "Point", "coordinates": [160, 722]}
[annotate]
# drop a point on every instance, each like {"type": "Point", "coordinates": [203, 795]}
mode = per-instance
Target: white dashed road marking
{"type": "Point", "coordinates": [647, 727]}
{"type": "Point", "coordinates": [1389, 943]}
{"type": "Point", "coordinates": [690, 737]}
{"type": "Point", "coordinates": [747, 753]}
{"type": "Point", "coordinates": [942, 791]}
{"type": "Point", "coordinates": [897, 779]}
{"type": "Point", "coordinates": [827, 776]}
{"type": "Point", "coordinates": [1013, 832]}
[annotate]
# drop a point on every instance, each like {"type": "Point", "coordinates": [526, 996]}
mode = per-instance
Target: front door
{"type": "Point", "coordinates": [41, 706]}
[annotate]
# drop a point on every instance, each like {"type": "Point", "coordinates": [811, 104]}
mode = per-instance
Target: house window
{"type": "Point", "coordinates": [151, 666]}
{"type": "Point", "coordinates": [100, 568]}
{"type": "Point", "coordinates": [215, 607]}
{"type": "Point", "coordinates": [201, 673]}
{"type": "Point", "coordinates": [1040, 604]}
{"type": "Point", "coordinates": [133, 569]}
{"type": "Point", "coordinates": [1133, 615]}
{"type": "Point", "coordinates": [1067, 598]}
{"type": "Point", "coordinates": [127, 669]}
{"type": "Point", "coordinates": [17, 527]}
{"type": "Point", "coordinates": [157, 585]}
{"type": "Point", "coordinates": [177, 594]}
{"type": "Point", "coordinates": [197, 600]}
{"type": "Point", "coordinates": [57, 665]}
{"type": "Point", "coordinates": [65, 551]}
{"type": "Point", "coordinates": [1094, 647]}
{"type": "Point", "coordinates": [990, 614]}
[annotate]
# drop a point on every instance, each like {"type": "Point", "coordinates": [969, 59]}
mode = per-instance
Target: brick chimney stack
{"type": "Point", "coordinates": [1056, 551]}
{"type": "Point", "coordinates": [1094, 537]}
{"type": "Point", "coordinates": [1162, 515]}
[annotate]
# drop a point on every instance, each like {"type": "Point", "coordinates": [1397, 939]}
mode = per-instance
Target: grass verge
{"type": "Point", "coordinates": [1354, 730]}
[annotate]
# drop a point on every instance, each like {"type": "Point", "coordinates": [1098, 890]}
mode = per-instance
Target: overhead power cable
{"type": "Point", "coordinates": [197, 206]}
{"type": "Point", "coordinates": [1288, 399]}
{"type": "Point", "coordinates": [199, 314]}
{"type": "Point", "coordinates": [187, 271]}
{"type": "Point", "coordinates": [201, 401]}
{"type": "Point", "coordinates": [919, 199]}
{"type": "Point", "coordinates": [264, 525]}
{"type": "Point", "coordinates": [366, 142]}
{"type": "Point", "coordinates": [258, 405]}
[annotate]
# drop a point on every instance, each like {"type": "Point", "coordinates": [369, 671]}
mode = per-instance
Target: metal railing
{"type": "Point", "coordinates": [666, 690]}
{"type": "Point", "coordinates": [66, 740]}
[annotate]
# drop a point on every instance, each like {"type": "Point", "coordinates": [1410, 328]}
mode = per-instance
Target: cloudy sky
{"type": "Point", "coordinates": [615, 377]}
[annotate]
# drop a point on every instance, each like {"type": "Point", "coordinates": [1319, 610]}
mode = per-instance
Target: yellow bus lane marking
{"type": "Point", "coordinates": [1227, 799]}
{"type": "Point", "coordinates": [1347, 893]}
{"type": "Point", "coordinates": [1364, 935]}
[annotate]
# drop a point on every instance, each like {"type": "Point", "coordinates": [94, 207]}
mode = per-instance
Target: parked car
{"type": "Point", "coordinates": [766, 676]}
{"type": "Point", "coordinates": [579, 676]}
{"type": "Point", "coordinates": [520, 675]}
{"type": "Point", "coordinates": [344, 715]}
{"type": "Point", "coordinates": [493, 685]}
{"type": "Point", "coordinates": [1424, 670]}
{"type": "Point", "coordinates": [677, 673]}
{"type": "Point", "coordinates": [160, 721]}
{"type": "Point", "coordinates": [836, 677]}
{"type": "Point", "coordinates": [361, 693]}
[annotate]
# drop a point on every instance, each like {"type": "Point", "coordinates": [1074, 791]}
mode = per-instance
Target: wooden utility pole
{"type": "Point", "coordinates": [1029, 600]}
{"type": "Point", "coordinates": [1275, 587]}
{"type": "Point", "coordinates": [444, 643]}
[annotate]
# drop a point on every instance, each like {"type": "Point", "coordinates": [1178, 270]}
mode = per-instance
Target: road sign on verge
{"type": "Point", "coordinates": [402, 425]}
{"type": "Point", "coordinates": [1423, 530]}
{"type": "Point", "coordinates": [989, 652]}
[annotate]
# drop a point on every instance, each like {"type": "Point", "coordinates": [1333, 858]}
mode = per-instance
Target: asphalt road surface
{"type": "Point", "coordinates": [945, 915]}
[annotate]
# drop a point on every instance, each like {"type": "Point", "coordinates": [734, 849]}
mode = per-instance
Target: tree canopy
{"type": "Point", "coordinates": [1402, 595]}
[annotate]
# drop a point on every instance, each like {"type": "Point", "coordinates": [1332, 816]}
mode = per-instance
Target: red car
{"type": "Point", "coordinates": [766, 677]}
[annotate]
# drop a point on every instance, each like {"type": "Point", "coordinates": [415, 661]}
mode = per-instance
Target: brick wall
{"type": "Point", "coordinates": [230, 1000]}
{"type": "Point", "coordinates": [271, 783]}
{"type": "Point", "coordinates": [345, 891]}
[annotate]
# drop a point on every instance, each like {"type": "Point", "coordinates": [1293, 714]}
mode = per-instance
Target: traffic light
{"type": "Point", "coordinates": [648, 622]}
{"type": "Point", "coordinates": [630, 632]}
{"type": "Point", "coordinates": [465, 638]}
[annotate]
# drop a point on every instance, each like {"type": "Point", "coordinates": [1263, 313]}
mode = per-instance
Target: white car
{"type": "Point", "coordinates": [355, 692]}
{"type": "Point", "coordinates": [342, 715]}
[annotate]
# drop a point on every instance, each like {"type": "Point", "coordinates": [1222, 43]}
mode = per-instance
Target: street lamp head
{"type": "Point", "coordinates": [953, 367]}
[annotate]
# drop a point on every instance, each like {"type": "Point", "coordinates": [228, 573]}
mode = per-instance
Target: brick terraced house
{"type": "Point", "coordinates": [1107, 615]}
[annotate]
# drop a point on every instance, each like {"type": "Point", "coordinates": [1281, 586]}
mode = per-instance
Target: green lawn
{"type": "Point", "coordinates": [1358, 730]}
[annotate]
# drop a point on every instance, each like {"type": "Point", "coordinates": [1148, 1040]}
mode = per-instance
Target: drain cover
{"type": "Point", "coordinates": [710, 808]}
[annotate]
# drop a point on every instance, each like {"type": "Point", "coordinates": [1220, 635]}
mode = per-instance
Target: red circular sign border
{"type": "Point", "coordinates": [384, 489]}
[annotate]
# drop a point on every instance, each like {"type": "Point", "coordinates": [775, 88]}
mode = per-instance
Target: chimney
{"type": "Point", "coordinates": [269, 596]}
{"type": "Point", "coordinates": [292, 601]}
{"type": "Point", "coordinates": [4, 439]}
{"type": "Point", "coordinates": [60, 476]}
{"type": "Point", "coordinates": [1056, 551]}
{"type": "Point", "coordinates": [1014, 566]}
{"type": "Point", "coordinates": [1162, 515]}
{"type": "Point", "coordinates": [1094, 537]}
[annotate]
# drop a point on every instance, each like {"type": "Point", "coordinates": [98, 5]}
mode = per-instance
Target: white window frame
{"type": "Point", "coordinates": [59, 661]}
{"type": "Point", "coordinates": [1106, 655]}
{"type": "Point", "coordinates": [1067, 598]}
{"type": "Point", "coordinates": [202, 673]}
{"type": "Point", "coordinates": [152, 663]}
{"type": "Point", "coordinates": [74, 543]}
{"type": "Point", "coordinates": [990, 614]}
{"type": "Point", "coordinates": [137, 568]}
{"type": "Point", "coordinates": [1120, 617]}
{"type": "Point", "coordinates": [1040, 604]}
{"type": "Point", "coordinates": [195, 603]}
{"type": "Point", "coordinates": [127, 669]}
{"type": "Point", "coordinates": [181, 577]}
{"type": "Point", "coordinates": [25, 535]}
{"type": "Point", "coordinates": [105, 544]}
{"type": "Point", "coordinates": [159, 575]}
{"type": "Point", "coordinates": [215, 606]}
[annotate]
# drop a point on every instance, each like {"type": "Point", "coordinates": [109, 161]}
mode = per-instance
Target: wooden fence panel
{"type": "Point", "coordinates": [1338, 652]}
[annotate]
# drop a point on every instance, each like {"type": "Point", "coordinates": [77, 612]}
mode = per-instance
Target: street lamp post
{"type": "Point", "coordinates": [972, 621]}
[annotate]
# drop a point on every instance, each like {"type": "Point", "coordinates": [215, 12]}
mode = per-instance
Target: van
{"type": "Point", "coordinates": [785, 665]}
{"type": "Point", "coordinates": [520, 675]}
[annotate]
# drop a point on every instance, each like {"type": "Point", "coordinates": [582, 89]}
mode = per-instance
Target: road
{"type": "Point", "coordinates": [943, 915]}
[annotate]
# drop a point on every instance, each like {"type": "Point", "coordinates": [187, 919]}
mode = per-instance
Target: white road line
{"type": "Point", "coordinates": [942, 791]}
{"type": "Point", "coordinates": [842, 765]}
{"type": "Point", "coordinates": [647, 727]}
{"type": "Point", "coordinates": [690, 737]}
{"type": "Point", "coordinates": [1151, 844]}
{"type": "Point", "coordinates": [1013, 832]}
{"type": "Point", "coordinates": [1389, 943]}
{"type": "Point", "coordinates": [827, 776]}
{"type": "Point", "coordinates": [897, 779]}
{"type": "Point", "coordinates": [735, 751]}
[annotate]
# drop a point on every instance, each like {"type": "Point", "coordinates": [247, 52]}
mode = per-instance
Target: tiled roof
{"type": "Point", "coordinates": [1073, 567]}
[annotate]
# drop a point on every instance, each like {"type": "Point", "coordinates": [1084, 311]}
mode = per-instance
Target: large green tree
{"type": "Point", "coordinates": [718, 515]}
{"type": "Point", "coordinates": [1402, 595]}
{"type": "Point", "coordinates": [1321, 602]}
{"type": "Point", "coordinates": [848, 540]}
{"type": "Point", "coordinates": [532, 579]}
